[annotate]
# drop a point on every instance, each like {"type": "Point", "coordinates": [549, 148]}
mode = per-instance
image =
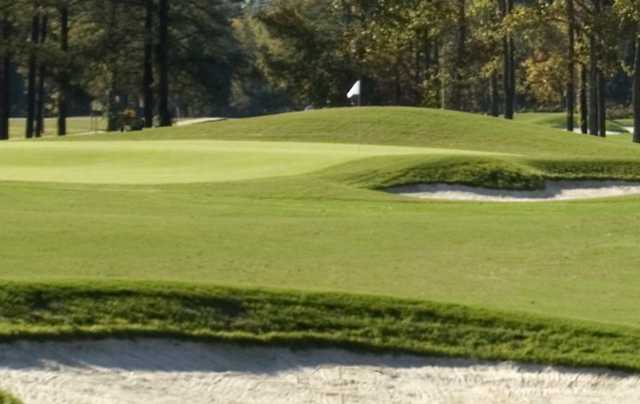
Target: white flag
{"type": "Point", "coordinates": [355, 90]}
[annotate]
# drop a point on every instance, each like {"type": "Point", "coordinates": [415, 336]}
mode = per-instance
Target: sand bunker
{"type": "Point", "coordinates": [554, 191]}
{"type": "Point", "coordinates": [162, 372]}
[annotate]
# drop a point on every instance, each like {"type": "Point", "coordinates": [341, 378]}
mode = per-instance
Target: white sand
{"type": "Point", "coordinates": [554, 191]}
{"type": "Point", "coordinates": [160, 372]}
{"type": "Point", "coordinates": [609, 132]}
{"type": "Point", "coordinates": [196, 121]}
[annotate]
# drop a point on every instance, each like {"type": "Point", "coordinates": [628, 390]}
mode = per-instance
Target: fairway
{"type": "Point", "coordinates": [279, 204]}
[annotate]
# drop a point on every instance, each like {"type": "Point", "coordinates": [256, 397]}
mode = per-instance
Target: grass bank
{"type": "Point", "coordinates": [81, 310]}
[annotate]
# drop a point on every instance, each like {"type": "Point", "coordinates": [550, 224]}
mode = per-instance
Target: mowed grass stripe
{"type": "Point", "coordinates": [160, 162]}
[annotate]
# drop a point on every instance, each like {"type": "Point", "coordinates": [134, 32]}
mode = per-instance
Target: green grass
{"type": "Point", "coordinates": [6, 398]}
{"type": "Point", "coordinates": [289, 204]}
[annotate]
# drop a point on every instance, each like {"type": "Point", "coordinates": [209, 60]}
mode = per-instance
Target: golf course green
{"type": "Point", "coordinates": [275, 230]}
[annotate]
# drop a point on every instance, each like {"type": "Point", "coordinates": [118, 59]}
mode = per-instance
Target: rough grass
{"type": "Point", "coordinates": [65, 311]}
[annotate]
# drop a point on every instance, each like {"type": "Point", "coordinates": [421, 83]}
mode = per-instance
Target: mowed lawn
{"type": "Point", "coordinates": [278, 202]}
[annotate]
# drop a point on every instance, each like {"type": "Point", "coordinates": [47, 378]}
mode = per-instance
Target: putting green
{"type": "Point", "coordinates": [164, 162]}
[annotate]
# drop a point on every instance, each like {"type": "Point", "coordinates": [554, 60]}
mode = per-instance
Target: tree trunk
{"type": "Point", "coordinates": [584, 108]}
{"type": "Point", "coordinates": [636, 91]}
{"type": "Point", "coordinates": [42, 75]}
{"type": "Point", "coordinates": [509, 80]}
{"type": "Point", "coordinates": [457, 87]}
{"type": "Point", "coordinates": [163, 63]}
{"type": "Point", "coordinates": [593, 86]}
{"type": "Point", "coordinates": [602, 104]}
{"type": "Point", "coordinates": [397, 87]}
{"type": "Point", "coordinates": [148, 65]}
{"type": "Point", "coordinates": [600, 81]}
{"type": "Point", "coordinates": [419, 74]}
{"type": "Point", "coordinates": [32, 70]}
{"type": "Point", "coordinates": [571, 83]}
{"type": "Point", "coordinates": [495, 96]}
{"type": "Point", "coordinates": [63, 83]}
{"type": "Point", "coordinates": [5, 82]}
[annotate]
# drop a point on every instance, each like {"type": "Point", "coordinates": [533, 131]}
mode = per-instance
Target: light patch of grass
{"type": "Point", "coordinates": [160, 162]}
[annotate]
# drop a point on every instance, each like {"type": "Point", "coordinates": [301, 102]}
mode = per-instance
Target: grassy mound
{"type": "Point", "coordinates": [494, 172]}
{"type": "Point", "coordinates": [396, 126]}
{"type": "Point", "coordinates": [75, 311]}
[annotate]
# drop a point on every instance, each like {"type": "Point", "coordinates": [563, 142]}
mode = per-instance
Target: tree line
{"type": "Point", "coordinates": [252, 57]}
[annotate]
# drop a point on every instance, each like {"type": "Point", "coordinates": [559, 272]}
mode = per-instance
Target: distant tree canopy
{"type": "Point", "coordinates": [249, 57]}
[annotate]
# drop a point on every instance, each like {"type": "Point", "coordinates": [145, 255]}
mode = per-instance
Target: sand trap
{"type": "Point", "coordinates": [554, 191]}
{"type": "Point", "coordinates": [160, 372]}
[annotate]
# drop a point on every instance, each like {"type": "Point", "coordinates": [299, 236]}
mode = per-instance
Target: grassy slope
{"type": "Point", "coordinates": [327, 232]}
